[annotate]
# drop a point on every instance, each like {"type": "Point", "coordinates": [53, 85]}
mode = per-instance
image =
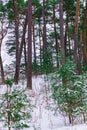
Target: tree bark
{"type": "Point", "coordinates": [39, 26]}
{"type": "Point", "coordinates": [62, 31]}
{"type": "Point", "coordinates": [76, 32]}
{"type": "Point", "coordinates": [1, 66]}
{"type": "Point", "coordinates": [44, 28]}
{"type": "Point", "coordinates": [55, 32]}
{"type": "Point", "coordinates": [16, 18]}
{"type": "Point", "coordinates": [34, 47]}
{"type": "Point", "coordinates": [29, 51]}
{"type": "Point", "coordinates": [84, 36]}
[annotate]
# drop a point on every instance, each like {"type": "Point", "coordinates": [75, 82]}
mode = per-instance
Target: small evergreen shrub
{"type": "Point", "coordinates": [68, 90]}
{"type": "Point", "coordinates": [15, 107]}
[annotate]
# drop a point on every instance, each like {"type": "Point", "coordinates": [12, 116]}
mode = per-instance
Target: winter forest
{"type": "Point", "coordinates": [43, 64]}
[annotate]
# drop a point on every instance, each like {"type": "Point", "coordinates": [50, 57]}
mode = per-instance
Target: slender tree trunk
{"type": "Point", "coordinates": [34, 46]}
{"type": "Point", "coordinates": [40, 44]}
{"type": "Point", "coordinates": [66, 40]}
{"type": "Point", "coordinates": [44, 28]}
{"type": "Point", "coordinates": [23, 39]}
{"type": "Point", "coordinates": [69, 46]}
{"type": "Point", "coordinates": [1, 66]}
{"type": "Point", "coordinates": [8, 107]}
{"type": "Point", "coordinates": [3, 33]}
{"type": "Point", "coordinates": [84, 35]}
{"type": "Point", "coordinates": [23, 43]}
{"type": "Point", "coordinates": [62, 31]}
{"type": "Point", "coordinates": [45, 47]}
{"type": "Point", "coordinates": [55, 32]}
{"type": "Point", "coordinates": [70, 119]}
{"type": "Point", "coordinates": [76, 32]}
{"type": "Point", "coordinates": [16, 17]}
{"type": "Point", "coordinates": [84, 117]}
{"type": "Point", "coordinates": [25, 59]}
{"type": "Point", "coordinates": [80, 54]}
{"type": "Point", "coordinates": [19, 48]}
{"type": "Point", "coordinates": [29, 51]}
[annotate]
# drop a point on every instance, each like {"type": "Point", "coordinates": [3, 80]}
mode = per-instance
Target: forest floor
{"type": "Point", "coordinates": [44, 115]}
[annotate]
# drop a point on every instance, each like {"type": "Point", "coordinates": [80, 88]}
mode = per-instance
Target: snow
{"type": "Point", "coordinates": [43, 115]}
{"type": "Point", "coordinates": [7, 60]}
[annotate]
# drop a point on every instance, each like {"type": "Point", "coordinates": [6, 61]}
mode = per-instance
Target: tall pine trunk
{"type": "Point", "coordinates": [55, 34]}
{"type": "Point", "coordinates": [62, 31]}
{"type": "Point", "coordinates": [84, 35]}
{"type": "Point", "coordinates": [34, 49]}
{"type": "Point", "coordinates": [29, 50]}
{"type": "Point", "coordinates": [16, 18]}
{"type": "Point", "coordinates": [44, 27]}
{"type": "Point", "coordinates": [40, 41]}
{"type": "Point", "coordinates": [76, 32]}
{"type": "Point", "coordinates": [76, 54]}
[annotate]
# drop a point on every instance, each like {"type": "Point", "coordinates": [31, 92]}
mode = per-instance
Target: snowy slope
{"type": "Point", "coordinates": [43, 118]}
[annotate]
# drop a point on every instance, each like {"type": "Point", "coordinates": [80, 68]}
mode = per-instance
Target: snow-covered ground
{"type": "Point", "coordinates": [43, 115]}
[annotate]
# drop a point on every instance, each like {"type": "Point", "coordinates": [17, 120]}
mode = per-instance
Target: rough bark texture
{"type": "Point", "coordinates": [76, 32]}
{"type": "Point", "coordinates": [44, 28]}
{"type": "Point", "coordinates": [19, 46]}
{"type": "Point", "coordinates": [29, 51]}
{"type": "Point", "coordinates": [76, 42]}
{"type": "Point", "coordinates": [16, 18]}
{"type": "Point", "coordinates": [55, 33]}
{"type": "Point", "coordinates": [40, 41]}
{"type": "Point", "coordinates": [23, 39]}
{"type": "Point", "coordinates": [62, 31]}
{"type": "Point", "coordinates": [34, 45]}
{"type": "Point", "coordinates": [84, 35]}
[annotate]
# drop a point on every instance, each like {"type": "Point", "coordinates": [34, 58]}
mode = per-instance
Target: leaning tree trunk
{"type": "Point", "coordinates": [3, 33]}
{"type": "Point", "coordinates": [1, 66]}
{"type": "Point", "coordinates": [23, 44]}
{"type": "Point", "coordinates": [25, 58]}
{"type": "Point", "coordinates": [19, 49]}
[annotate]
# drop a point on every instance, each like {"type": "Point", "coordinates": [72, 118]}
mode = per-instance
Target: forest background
{"type": "Point", "coordinates": [47, 37]}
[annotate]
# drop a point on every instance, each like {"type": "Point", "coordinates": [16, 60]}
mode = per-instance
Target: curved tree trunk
{"type": "Point", "coordinates": [1, 67]}
{"type": "Point", "coordinates": [19, 48]}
